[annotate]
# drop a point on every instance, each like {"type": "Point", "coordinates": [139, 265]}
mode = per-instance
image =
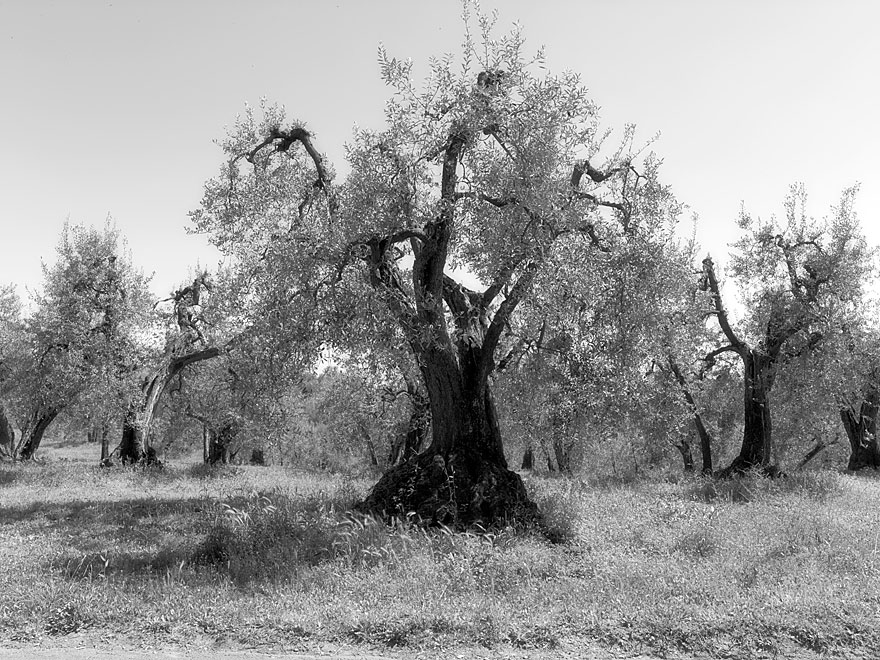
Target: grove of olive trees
{"type": "Point", "coordinates": [497, 275]}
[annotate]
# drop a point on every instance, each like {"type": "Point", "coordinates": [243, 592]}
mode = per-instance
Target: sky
{"type": "Point", "coordinates": [113, 107]}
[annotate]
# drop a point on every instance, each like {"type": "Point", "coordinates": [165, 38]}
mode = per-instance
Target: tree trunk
{"type": "Point", "coordinates": [7, 435]}
{"type": "Point", "coordinates": [561, 454]}
{"type": "Point", "coordinates": [705, 445]}
{"type": "Point", "coordinates": [40, 421]}
{"type": "Point", "coordinates": [137, 426]}
{"type": "Point", "coordinates": [702, 431]}
{"type": "Point", "coordinates": [757, 444]}
{"type": "Point", "coordinates": [861, 431]}
{"type": "Point", "coordinates": [105, 443]}
{"type": "Point", "coordinates": [462, 478]}
{"type": "Point", "coordinates": [131, 446]}
{"type": "Point", "coordinates": [528, 459]}
{"type": "Point", "coordinates": [687, 456]}
{"type": "Point", "coordinates": [220, 442]}
{"type": "Point", "coordinates": [405, 448]}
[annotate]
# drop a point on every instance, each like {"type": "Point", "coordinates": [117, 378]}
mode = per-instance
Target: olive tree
{"type": "Point", "coordinates": [801, 277]}
{"type": "Point", "coordinates": [494, 168]}
{"type": "Point", "coordinates": [87, 326]}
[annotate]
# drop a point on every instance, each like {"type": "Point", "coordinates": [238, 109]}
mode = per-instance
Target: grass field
{"type": "Point", "coordinates": [268, 558]}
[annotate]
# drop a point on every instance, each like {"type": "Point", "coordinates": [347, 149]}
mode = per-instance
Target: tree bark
{"type": "Point", "coordinates": [528, 459]}
{"type": "Point", "coordinates": [105, 443]}
{"type": "Point", "coordinates": [861, 431]}
{"type": "Point", "coordinates": [687, 456]}
{"type": "Point", "coordinates": [7, 435]}
{"type": "Point", "coordinates": [219, 443]}
{"type": "Point", "coordinates": [39, 422]}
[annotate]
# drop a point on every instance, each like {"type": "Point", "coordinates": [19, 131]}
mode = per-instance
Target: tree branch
{"type": "Point", "coordinates": [501, 279]}
{"type": "Point", "coordinates": [283, 140]}
{"type": "Point", "coordinates": [584, 167]}
{"type": "Point", "coordinates": [709, 358]}
{"type": "Point", "coordinates": [711, 281]}
{"type": "Point", "coordinates": [502, 316]}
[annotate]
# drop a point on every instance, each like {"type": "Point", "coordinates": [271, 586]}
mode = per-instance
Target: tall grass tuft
{"type": "Point", "coordinates": [274, 536]}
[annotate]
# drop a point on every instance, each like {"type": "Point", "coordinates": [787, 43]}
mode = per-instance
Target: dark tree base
{"type": "Point", "coordinates": [460, 491]}
{"type": "Point", "coordinates": [860, 460]}
{"type": "Point", "coordinates": [741, 466]}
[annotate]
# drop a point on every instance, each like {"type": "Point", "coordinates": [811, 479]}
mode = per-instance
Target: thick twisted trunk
{"type": "Point", "coordinates": [462, 478]}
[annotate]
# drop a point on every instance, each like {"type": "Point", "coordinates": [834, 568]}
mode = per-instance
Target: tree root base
{"type": "Point", "coordinates": [459, 491]}
{"type": "Point", "coordinates": [741, 466]}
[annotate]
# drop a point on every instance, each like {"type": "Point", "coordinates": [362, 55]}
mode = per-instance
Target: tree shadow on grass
{"type": "Point", "coordinates": [7, 477]}
{"type": "Point", "coordinates": [102, 538]}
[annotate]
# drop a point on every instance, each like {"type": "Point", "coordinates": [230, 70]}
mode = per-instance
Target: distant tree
{"type": "Point", "coordinates": [800, 279]}
{"type": "Point", "coordinates": [11, 349]}
{"type": "Point", "coordinates": [856, 361]}
{"type": "Point", "coordinates": [188, 341]}
{"type": "Point", "coordinates": [87, 326]}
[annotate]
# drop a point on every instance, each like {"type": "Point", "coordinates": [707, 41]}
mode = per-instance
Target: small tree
{"type": "Point", "coordinates": [11, 360]}
{"type": "Point", "coordinates": [86, 328]}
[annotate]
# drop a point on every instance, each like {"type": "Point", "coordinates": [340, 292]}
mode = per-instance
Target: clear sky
{"type": "Point", "coordinates": [112, 107]}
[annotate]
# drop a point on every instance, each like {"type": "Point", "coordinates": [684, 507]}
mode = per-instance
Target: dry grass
{"type": "Point", "coordinates": [269, 558]}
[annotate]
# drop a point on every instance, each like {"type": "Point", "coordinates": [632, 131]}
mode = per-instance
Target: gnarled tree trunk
{"type": "Point", "coordinates": [137, 424]}
{"type": "Point", "coordinates": [462, 478]}
{"type": "Point", "coordinates": [861, 431]}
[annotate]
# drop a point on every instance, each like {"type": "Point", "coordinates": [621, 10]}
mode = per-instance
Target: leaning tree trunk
{"type": "Point", "coordinates": [137, 424]}
{"type": "Point", "coordinates": [702, 431]}
{"type": "Point", "coordinates": [861, 431]}
{"type": "Point", "coordinates": [39, 422]}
